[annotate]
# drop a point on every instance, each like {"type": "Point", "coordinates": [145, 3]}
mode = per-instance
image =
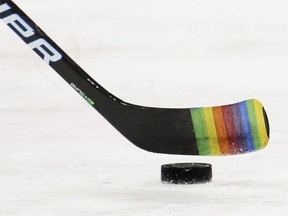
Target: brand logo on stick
{"type": "Point", "coordinates": [22, 28]}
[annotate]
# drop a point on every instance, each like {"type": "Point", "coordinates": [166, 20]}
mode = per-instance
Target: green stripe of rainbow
{"type": "Point", "coordinates": [230, 129]}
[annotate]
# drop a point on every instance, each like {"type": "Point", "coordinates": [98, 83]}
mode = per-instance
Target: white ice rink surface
{"type": "Point", "coordinates": [59, 157]}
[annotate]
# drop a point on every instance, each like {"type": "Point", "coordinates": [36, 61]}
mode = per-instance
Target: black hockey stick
{"type": "Point", "coordinates": [221, 130]}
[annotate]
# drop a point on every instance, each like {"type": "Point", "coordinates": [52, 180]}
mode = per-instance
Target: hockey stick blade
{"type": "Point", "coordinates": [221, 130]}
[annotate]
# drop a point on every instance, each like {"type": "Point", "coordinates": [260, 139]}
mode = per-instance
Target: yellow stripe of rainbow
{"type": "Point", "coordinates": [211, 131]}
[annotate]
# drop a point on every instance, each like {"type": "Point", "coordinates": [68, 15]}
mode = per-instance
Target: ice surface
{"type": "Point", "coordinates": [60, 157]}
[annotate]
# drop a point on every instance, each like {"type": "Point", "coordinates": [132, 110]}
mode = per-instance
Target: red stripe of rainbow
{"type": "Point", "coordinates": [230, 129]}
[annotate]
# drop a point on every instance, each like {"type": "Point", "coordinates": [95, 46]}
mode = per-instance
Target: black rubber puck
{"type": "Point", "coordinates": [186, 173]}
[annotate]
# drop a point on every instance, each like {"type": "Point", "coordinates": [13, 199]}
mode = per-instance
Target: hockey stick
{"type": "Point", "coordinates": [221, 130]}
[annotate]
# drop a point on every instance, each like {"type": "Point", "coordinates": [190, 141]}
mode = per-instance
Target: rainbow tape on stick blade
{"type": "Point", "coordinates": [230, 129]}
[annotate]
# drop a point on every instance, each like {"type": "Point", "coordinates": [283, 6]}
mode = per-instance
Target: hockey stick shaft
{"type": "Point", "coordinates": [49, 51]}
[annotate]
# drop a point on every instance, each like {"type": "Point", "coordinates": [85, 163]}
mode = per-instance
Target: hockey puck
{"type": "Point", "coordinates": [186, 173]}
